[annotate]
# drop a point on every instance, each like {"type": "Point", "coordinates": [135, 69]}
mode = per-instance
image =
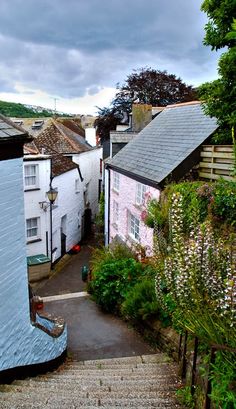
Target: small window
{"type": "Point", "coordinates": [115, 212]}
{"type": "Point", "coordinates": [38, 123]}
{"type": "Point", "coordinates": [77, 185]}
{"type": "Point", "coordinates": [116, 181]}
{"type": "Point", "coordinates": [140, 194]}
{"type": "Point", "coordinates": [31, 176]}
{"type": "Point", "coordinates": [133, 227]}
{"type": "Point", "coordinates": [32, 228]}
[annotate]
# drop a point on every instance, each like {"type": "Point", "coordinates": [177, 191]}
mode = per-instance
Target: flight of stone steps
{"type": "Point", "coordinates": [148, 381]}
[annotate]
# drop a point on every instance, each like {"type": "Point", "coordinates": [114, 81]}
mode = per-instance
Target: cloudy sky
{"type": "Point", "coordinates": [78, 50]}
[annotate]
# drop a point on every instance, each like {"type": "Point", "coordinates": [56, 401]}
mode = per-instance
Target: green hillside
{"type": "Point", "coordinates": [21, 111]}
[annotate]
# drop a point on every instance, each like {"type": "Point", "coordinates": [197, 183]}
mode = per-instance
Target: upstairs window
{"type": "Point", "coordinates": [116, 181]}
{"type": "Point", "coordinates": [140, 194]}
{"type": "Point", "coordinates": [31, 176]}
{"type": "Point", "coordinates": [32, 228]}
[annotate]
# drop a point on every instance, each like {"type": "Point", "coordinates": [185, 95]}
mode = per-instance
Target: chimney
{"type": "Point", "coordinates": [141, 116]}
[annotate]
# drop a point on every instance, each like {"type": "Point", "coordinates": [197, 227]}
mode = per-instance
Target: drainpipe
{"type": "Point", "coordinates": [107, 206]}
{"type": "Point", "coordinates": [108, 216]}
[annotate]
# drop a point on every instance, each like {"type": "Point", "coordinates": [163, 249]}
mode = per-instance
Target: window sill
{"type": "Point", "coordinates": [139, 207]}
{"type": "Point", "coordinates": [31, 189]}
{"type": "Point", "coordinates": [133, 239]}
{"type": "Point", "coordinates": [33, 241]}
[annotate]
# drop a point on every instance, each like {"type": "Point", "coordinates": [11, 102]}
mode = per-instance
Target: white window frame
{"type": "Point", "coordinates": [32, 174]}
{"type": "Point", "coordinates": [32, 224]}
{"type": "Point", "coordinates": [134, 227]}
{"type": "Point", "coordinates": [140, 194]}
{"type": "Point", "coordinates": [115, 212]}
{"type": "Point", "coordinates": [116, 181]}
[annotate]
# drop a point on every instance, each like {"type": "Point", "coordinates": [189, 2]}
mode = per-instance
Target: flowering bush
{"type": "Point", "coordinates": [199, 275]}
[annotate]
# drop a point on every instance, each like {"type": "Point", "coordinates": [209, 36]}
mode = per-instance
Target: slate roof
{"type": "Point", "coordinates": [11, 132]}
{"type": "Point", "coordinates": [165, 142]}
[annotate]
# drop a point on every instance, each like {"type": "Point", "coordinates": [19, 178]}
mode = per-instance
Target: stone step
{"type": "Point", "coordinates": [117, 375]}
{"type": "Point", "coordinates": [154, 358]}
{"type": "Point", "coordinates": [94, 390]}
{"type": "Point", "coordinates": [51, 401]}
{"type": "Point", "coordinates": [98, 386]}
{"type": "Point", "coordinates": [135, 383]}
{"type": "Point", "coordinates": [112, 367]}
{"type": "Point", "coordinates": [142, 371]}
{"type": "Point", "coordinates": [147, 381]}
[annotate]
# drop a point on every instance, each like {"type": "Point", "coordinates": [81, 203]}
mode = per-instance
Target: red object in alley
{"type": "Point", "coordinates": [76, 248]}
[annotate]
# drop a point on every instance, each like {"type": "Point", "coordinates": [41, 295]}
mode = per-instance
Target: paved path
{"type": "Point", "coordinates": [91, 333]}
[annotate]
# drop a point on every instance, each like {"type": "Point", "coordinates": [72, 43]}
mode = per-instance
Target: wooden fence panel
{"type": "Point", "coordinates": [217, 161]}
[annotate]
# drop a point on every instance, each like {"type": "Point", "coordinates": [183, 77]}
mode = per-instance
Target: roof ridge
{"type": "Point", "coordinates": [183, 104]}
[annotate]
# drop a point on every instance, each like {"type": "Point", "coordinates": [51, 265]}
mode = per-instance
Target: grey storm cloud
{"type": "Point", "coordinates": [72, 47]}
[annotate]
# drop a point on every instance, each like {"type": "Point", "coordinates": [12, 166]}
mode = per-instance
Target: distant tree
{"type": "Point", "coordinates": [219, 96]}
{"type": "Point", "coordinates": [148, 86]}
{"type": "Point", "coordinates": [106, 121]}
{"type": "Point", "coordinates": [17, 110]}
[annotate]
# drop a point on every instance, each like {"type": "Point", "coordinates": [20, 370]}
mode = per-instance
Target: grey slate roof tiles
{"type": "Point", "coordinates": [165, 142]}
{"type": "Point", "coordinates": [8, 130]}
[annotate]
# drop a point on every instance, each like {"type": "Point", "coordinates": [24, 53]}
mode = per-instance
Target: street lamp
{"type": "Point", "coordinates": [51, 195]}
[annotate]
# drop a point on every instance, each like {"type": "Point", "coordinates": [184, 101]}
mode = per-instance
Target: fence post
{"type": "Point", "coordinates": [180, 344]}
{"type": "Point", "coordinates": [194, 366]}
{"type": "Point", "coordinates": [209, 381]}
{"type": "Point", "coordinates": [184, 361]}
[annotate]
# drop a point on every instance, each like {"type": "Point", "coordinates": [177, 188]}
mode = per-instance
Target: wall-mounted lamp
{"type": "Point", "coordinates": [52, 195]}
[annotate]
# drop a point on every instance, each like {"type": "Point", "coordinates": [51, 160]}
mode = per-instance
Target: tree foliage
{"type": "Point", "coordinates": [219, 96]}
{"type": "Point", "coordinates": [148, 86]}
{"type": "Point", "coordinates": [220, 14]}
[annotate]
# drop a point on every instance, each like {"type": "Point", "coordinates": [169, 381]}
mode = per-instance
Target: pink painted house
{"type": "Point", "coordinates": [166, 149]}
{"type": "Point", "coordinates": [128, 201]}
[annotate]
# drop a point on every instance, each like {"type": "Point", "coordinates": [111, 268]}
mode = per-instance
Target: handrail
{"type": "Point", "coordinates": [213, 348]}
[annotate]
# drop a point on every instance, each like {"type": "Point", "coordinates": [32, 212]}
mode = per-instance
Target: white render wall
{"type": "Point", "coordinates": [69, 204]}
{"type": "Point", "coordinates": [32, 208]}
{"type": "Point", "coordinates": [20, 342]}
{"type": "Point", "coordinates": [89, 163]}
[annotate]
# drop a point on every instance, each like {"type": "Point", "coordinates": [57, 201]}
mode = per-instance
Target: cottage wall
{"type": "Point", "coordinates": [32, 198]}
{"type": "Point", "coordinates": [126, 200]}
{"type": "Point", "coordinates": [20, 342]}
{"type": "Point", "coordinates": [68, 210]}
{"type": "Point", "coordinates": [89, 163]}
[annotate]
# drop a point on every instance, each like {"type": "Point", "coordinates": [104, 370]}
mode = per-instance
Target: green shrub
{"type": "Point", "coordinates": [140, 302]}
{"type": "Point", "coordinates": [224, 201]}
{"type": "Point", "coordinates": [112, 280]}
{"type": "Point", "coordinates": [223, 377]}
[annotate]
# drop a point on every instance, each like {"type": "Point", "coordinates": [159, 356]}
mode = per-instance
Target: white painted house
{"type": "Point", "coordinates": [69, 165]}
{"type": "Point", "coordinates": [23, 342]}
{"type": "Point", "coordinates": [39, 171]}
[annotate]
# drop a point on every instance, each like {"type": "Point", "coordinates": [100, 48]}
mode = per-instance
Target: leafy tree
{"type": "Point", "coordinates": [148, 86]}
{"type": "Point", "coordinates": [219, 96]}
